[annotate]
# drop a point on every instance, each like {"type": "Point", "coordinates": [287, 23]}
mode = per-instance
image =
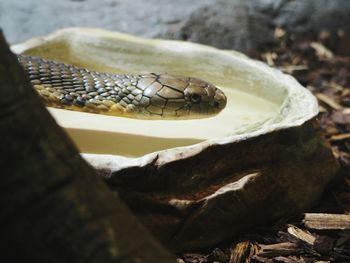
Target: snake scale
{"type": "Point", "coordinates": [143, 96]}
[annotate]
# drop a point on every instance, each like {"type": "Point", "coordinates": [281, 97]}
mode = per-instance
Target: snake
{"type": "Point", "coordinates": [139, 96]}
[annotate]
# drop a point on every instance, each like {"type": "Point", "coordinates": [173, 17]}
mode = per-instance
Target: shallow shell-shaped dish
{"type": "Point", "coordinates": [195, 183]}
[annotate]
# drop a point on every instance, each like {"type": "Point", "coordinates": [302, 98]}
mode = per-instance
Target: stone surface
{"type": "Point", "coordinates": [226, 24]}
{"type": "Point", "coordinates": [314, 15]}
{"type": "Point", "coordinates": [238, 24]}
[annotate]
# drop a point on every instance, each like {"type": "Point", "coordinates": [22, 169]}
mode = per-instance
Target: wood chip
{"type": "Point", "coordinates": [321, 51]}
{"type": "Point", "coordinates": [287, 260]}
{"type": "Point", "coordinates": [336, 86]}
{"type": "Point", "coordinates": [279, 249]}
{"type": "Point", "coordinates": [269, 57]}
{"type": "Point", "coordinates": [330, 102]}
{"type": "Point", "coordinates": [242, 251]}
{"type": "Point", "coordinates": [321, 109]}
{"type": "Point", "coordinates": [279, 32]}
{"type": "Point", "coordinates": [303, 235]}
{"type": "Point", "coordinates": [340, 137]}
{"type": "Point", "coordinates": [345, 92]}
{"type": "Point", "coordinates": [346, 111]}
{"type": "Point", "coordinates": [326, 221]}
{"type": "Point", "coordinates": [291, 68]}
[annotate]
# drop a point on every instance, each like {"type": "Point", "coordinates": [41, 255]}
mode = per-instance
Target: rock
{"type": "Point", "coordinates": [315, 15]}
{"type": "Point", "coordinates": [228, 25]}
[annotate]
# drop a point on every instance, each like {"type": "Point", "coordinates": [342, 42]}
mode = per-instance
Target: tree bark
{"type": "Point", "coordinates": [53, 207]}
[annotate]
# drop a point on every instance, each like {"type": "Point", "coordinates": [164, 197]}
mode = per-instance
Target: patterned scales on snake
{"type": "Point", "coordinates": [146, 96]}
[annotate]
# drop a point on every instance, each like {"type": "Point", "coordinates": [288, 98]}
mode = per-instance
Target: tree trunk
{"type": "Point", "coordinates": [53, 207]}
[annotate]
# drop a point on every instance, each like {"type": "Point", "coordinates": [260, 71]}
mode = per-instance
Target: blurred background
{"type": "Point", "coordinates": [232, 24]}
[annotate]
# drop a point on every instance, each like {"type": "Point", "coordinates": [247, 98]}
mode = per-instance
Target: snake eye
{"type": "Point", "coordinates": [195, 98]}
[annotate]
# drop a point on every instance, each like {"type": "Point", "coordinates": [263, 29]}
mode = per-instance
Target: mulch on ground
{"type": "Point", "coordinates": [320, 62]}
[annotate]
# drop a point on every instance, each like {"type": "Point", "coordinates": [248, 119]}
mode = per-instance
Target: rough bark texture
{"type": "Point", "coordinates": [53, 208]}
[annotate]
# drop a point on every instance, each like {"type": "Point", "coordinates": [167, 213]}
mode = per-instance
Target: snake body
{"type": "Point", "coordinates": [147, 96]}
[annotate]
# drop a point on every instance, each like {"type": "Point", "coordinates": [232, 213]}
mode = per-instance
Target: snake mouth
{"type": "Point", "coordinates": [220, 100]}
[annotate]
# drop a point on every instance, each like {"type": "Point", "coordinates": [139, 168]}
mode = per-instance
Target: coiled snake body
{"type": "Point", "coordinates": [138, 96]}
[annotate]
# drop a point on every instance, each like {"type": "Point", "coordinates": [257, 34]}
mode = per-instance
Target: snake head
{"type": "Point", "coordinates": [181, 97]}
{"type": "Point", "coordinates": [203, 99]}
